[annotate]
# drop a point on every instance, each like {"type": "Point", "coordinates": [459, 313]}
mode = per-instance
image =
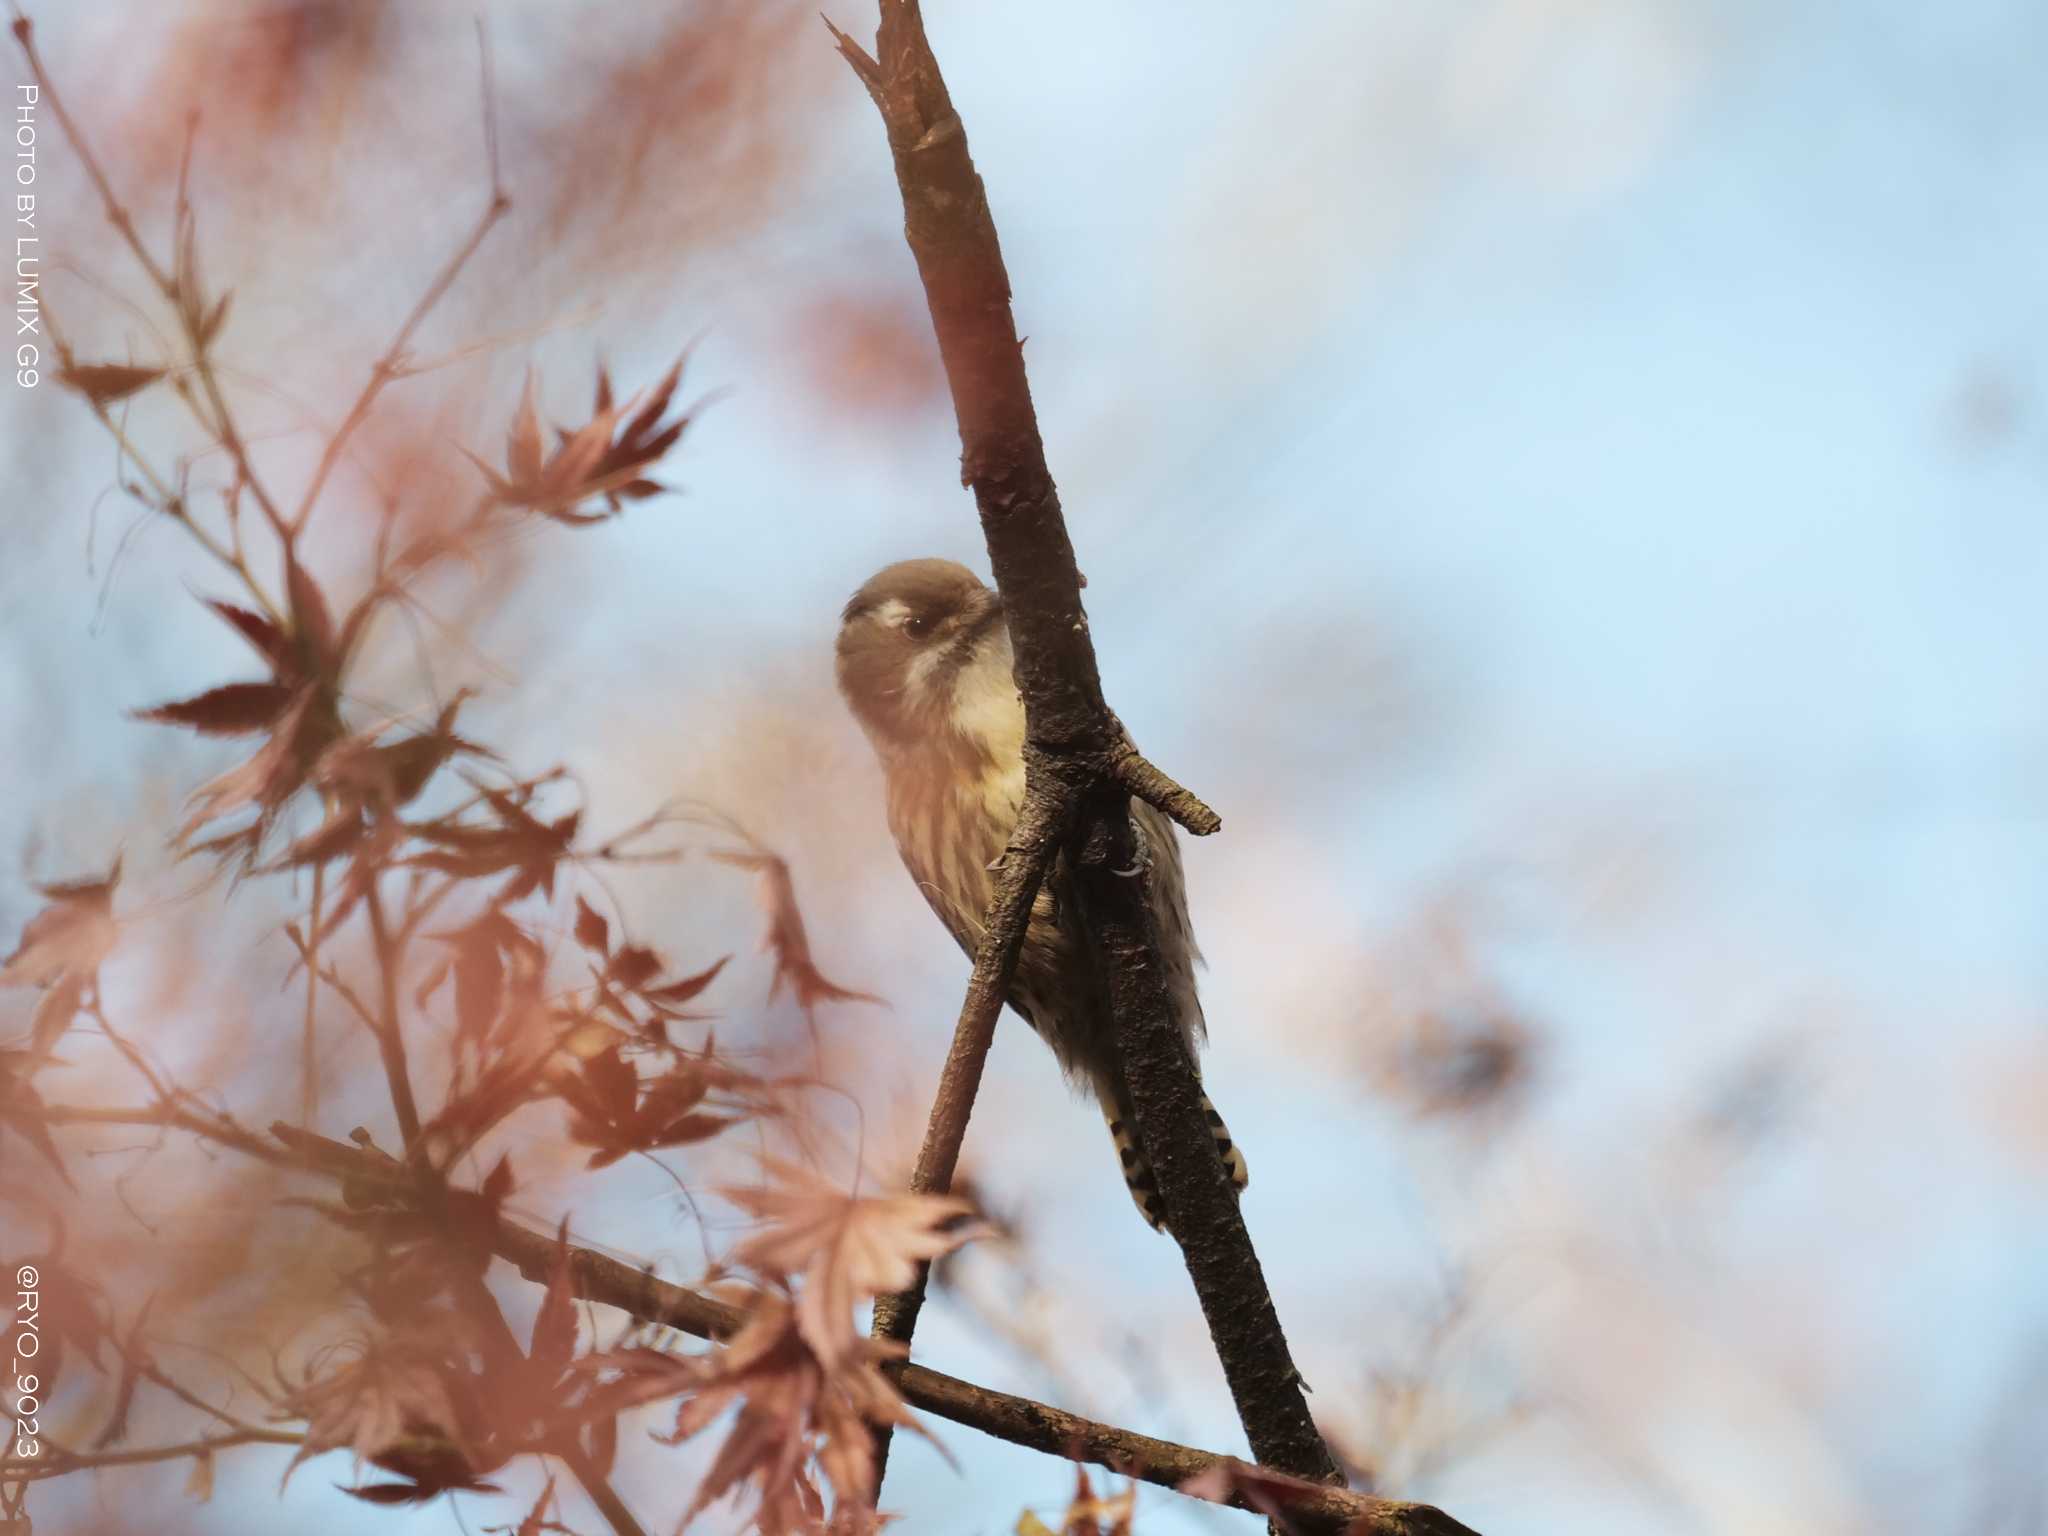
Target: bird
{"type": "Point", "coordinates": [923, 661]}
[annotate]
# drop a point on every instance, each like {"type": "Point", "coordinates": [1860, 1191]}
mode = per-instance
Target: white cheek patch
{"type": "Point", "coordinates": [987, 711]}
{"type": "Point", "coordinates": [917, 678]}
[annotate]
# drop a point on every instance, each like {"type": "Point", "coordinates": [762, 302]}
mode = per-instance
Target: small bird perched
{"type": "Point", "coordinates": [924, 663]}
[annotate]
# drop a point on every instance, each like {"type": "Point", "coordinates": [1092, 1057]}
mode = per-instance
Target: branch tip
{"type": "Point", "coordinates": [858, 59]}
{"type": "Point", "coordinates": [1150, 783]}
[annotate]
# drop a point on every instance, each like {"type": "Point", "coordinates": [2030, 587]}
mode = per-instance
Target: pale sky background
{"type": "Point", "coordinates": [1571, 467]}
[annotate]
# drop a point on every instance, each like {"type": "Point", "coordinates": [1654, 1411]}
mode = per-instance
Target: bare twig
{"type": "Point", "coordinates": [171, 503]}
{"type": "Point", "coordinates": [389, 365]}
{"type": "Point", "coordinates": [392, 364]}
{"type": "Point", "coordinates": [61, 1461]}
{"type": "Point", "coordinates": [309, 1066]}
{"type": "Point", "coordinates": [220, 1129]}
{"type": "Point", "coordinates": [168, 281]}
{"type": "Point", "coordinates": [151, 1372]}
{"type": "Point", "coordinates": [117, 215]}
{"type": "Point", "coordinates": [602, 1494]}
{"type": "Point", "coordinates": [390, 1032]}
{"type": "Point", "coordinates": [995, 961]}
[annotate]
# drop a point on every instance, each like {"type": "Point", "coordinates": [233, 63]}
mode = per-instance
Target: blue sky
{"type": "Point", "coordinates": [1576, 466]}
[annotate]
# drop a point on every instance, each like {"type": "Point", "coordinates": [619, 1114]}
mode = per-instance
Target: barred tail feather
{"type": "Point", "coordinates": [1138, 1174]}
{"type": "Point", "coordinates": [1233, 1160]}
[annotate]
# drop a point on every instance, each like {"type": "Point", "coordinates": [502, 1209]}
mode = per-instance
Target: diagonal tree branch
{"type": "Point", "coordinates": [372, 1176]}
{"type": "Point", "coordinates": [1070, 729]}
{"type": "Point", "coordinates": [1020, 1420]}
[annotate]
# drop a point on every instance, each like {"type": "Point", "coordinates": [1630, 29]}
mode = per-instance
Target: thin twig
{"type": "Point", "coordinates": [1046, 809]}
{"type": "Point", "coordinates": [150, 1372]}
{"type": "Point", "coordinates": [386, 368]}
{"type": "Point", "coordinates": [187, 306]}
{"type": "Point", "coordinates": [168, 501]}
{"type": "Point", "coordinates": [77, 1461]}
{"type": "Point", "coordinates": [309, 1072]}
{"type": "Point", "coordinates": [390, 1035]}
{"type": "Point", "coordinates": [601, 1491]}
{"type": "Point", "coordinates": [348, 994]}
{"type": "Point", "coordinates": [117, 215]}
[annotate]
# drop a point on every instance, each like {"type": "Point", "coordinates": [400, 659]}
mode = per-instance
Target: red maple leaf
{"type": "Point", "coordinates": [847, 1248]}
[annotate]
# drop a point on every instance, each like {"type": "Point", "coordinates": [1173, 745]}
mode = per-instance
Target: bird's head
{"type": "Point", "coordinates": [924, 653]}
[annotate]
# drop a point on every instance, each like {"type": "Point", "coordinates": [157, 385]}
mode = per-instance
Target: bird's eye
{"type": "Point", "coordinates": [917, 626]}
